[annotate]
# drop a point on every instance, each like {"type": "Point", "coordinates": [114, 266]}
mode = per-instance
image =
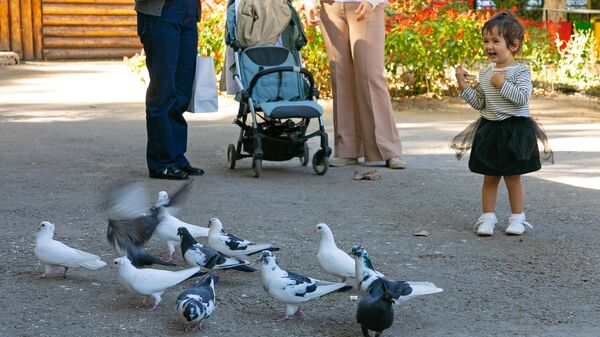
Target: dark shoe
{"type": "Point", "coordinates": [171, 174]}
{"type": "Point", "coordinates": [193, 171]}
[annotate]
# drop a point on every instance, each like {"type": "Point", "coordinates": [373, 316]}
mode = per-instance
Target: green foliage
{"type": "Point", "coordinates": [425, 40]}
{"type": "Point", "coordinates": [577, 66]}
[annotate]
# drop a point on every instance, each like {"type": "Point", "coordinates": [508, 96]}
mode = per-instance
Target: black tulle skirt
{"type": "Point", "coordinates": [503, 148]}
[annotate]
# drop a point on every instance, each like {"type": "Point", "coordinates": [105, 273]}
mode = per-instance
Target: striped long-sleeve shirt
{"type": "Point", "coordinates": [498, 104]}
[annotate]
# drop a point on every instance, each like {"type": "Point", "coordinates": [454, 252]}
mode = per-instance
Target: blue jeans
{"type": "Point", "coordinates": [170, 43]}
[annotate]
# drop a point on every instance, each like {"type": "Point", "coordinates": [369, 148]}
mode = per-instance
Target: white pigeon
{"type": "Point", "coordinates": [54, 253]}
{"type": "Point", "coordinates": [399, 290]}
{"type": "Point", "coordinates": [293, 289]}
{"type": "Point", "coordinates": [151, 282]}
{"type": "Point", "coordinates": [333, 260]}
{"type": "Point", "coordinates": [167, 230]}
{"type": "Point", "coordinates": [230, 244]}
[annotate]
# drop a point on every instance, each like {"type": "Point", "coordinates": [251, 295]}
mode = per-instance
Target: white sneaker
{"type": "Point", "coordinates": [485, 224]}
{"type": "Point", "coordinates": [395, 163]}
{"type": "Point", "coordinates": [516, 224]}
{"type": "Point", "coordinates": [338, 162]}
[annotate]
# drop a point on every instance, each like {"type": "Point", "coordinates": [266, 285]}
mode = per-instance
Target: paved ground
{"type": "Point", "coordinates": [67, 130]}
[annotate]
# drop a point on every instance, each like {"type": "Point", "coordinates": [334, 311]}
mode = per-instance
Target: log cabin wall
{"type": "Point", "coordinates": [68, 29]}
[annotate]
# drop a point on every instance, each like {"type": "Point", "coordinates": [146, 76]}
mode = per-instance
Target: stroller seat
{"type": "Point", "coordinates": [280, 94]}
{"type": "Point", "coordinates": [291, 109]}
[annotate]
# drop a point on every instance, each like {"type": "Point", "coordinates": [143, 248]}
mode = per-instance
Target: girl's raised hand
{"type": "Point", "coordinates": [461, 74]}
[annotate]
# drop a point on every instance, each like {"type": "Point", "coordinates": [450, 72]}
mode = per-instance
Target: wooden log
{"type": "Point", "coordinates": [38, 45]}
{"type": "Point", "coordinates": [91, 42]}
{"type": "Point", "coordinates": [88, 9]}
{"type": "Point", "coordinates": [89, 53]}
{"type": "Point", "coordinates": [113, 2]}
{"type": "Point", "coordinates": [27, 30]}
{"type": "Point", "coordinates": [88, 20]}
{"type": "Point", "coordinates": [4, 26]}
{"type": "Point", "coordinates": [74, 31]}
{"type": "Point", "coordinates": [15, 27]}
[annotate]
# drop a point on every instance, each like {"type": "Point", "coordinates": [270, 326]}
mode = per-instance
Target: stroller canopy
{"type": "Point", "coordinates": [263, 22]}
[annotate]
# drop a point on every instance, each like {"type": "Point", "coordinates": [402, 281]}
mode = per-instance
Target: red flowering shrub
{"type": "Point", "coordinates": [425, 39]}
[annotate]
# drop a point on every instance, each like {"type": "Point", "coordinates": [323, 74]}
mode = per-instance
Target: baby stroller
{"type": "Point", "coordinates": [279, 96]}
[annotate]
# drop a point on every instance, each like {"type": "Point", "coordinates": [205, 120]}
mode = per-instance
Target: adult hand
{"type": "Point", "coordinates": [498, 79]}
{"type": "Point", "coordinates": [461, 74]}
{"type": "Point", "coordinates": [312, 17]}
{"type": "Point", "coordinates": [364, 9]}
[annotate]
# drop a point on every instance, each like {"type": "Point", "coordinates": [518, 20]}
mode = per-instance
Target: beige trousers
{"type": "Point", "coordinates": [363, 119]}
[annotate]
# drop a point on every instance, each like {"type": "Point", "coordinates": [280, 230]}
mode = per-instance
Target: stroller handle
{"type": "Point", "coordinates": [299, 70]}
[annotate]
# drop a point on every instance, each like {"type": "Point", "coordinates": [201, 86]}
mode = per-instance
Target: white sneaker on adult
{"type": "Point", "coordinates": [395, 163]}
{"type": "Point", "coordinates": [485, 224]}
{"type": "Point", "coordinates": [516, 224]}
{"type": "Point", "coordinates": [338, 162]}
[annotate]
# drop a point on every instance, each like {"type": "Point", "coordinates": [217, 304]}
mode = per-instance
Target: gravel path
{"type": "Point", "coordinates": [68, 130]}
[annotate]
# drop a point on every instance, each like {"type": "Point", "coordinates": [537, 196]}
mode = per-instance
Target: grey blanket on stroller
{"type": "Point", "coordinates": [260, 22]}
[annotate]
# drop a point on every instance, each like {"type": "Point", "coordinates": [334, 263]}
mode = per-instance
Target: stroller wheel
{"type": "Point", "coordinates": [257, 165]}
{"type": "Point", "coordinates": [304, 158]}
{"type": "Point", "coordinates": [320, 162]}
{"type": "Point", "coordinates": [231, 156]}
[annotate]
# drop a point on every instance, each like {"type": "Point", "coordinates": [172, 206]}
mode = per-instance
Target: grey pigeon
{"type": "Point", "coordinates": [399, 290]}
{"type": "Point", "coordinates": [197, 302]}
{"type": "Point", "coordinates": [230, 244]}
{"type": "Point", "coordinates": [290, 288]}
{"type": "Point", "coordinates": [375, 310]}
{"type": "Point", "coordinates": [54, 253]}
{"type": "Point", "coordinates": [196, 254]}
{"type": "Point", "coordinates": [131, 224]}
{"type": "Point", "coordinates": [167, 230]}
{"type": "Point", "coordinates": [333, 260]}
{"type": "Point", "coordinates": [151, 282]}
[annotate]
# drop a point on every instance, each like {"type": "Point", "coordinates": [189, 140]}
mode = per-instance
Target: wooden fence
{"type": "Point", "coordinates": [68, 29]}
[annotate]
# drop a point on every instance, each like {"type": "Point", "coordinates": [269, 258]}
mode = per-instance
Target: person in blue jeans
{"type": "Point", "coordinates": [169, 34]}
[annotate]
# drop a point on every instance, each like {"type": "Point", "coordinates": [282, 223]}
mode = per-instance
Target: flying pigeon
{"type": "Point", "coordinates": [151, 282]}
{"type": "Point", "coordinates": [167, 230]}
{"type": "Point", "coordinates": [197, 254]}
{"type": "Point", "coordinates": [333, 260]}
{"type": "Point", "coordinates": [131, 224]}
{"type": "Point", "coordinates": [290, 288]}
{"type": "Point", "coordinates": [399, 290]}
{"type": "Point", "coordinates": [230, 244]}
{"type": "Point", "coordinates": [375, 310]}
{"type": "Point", "coordinates": [197, 302]}
{"type": "Point", "coordinates": [54, 253]}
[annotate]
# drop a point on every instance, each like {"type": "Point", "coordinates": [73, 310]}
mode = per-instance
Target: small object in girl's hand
{"type": "Point", "coordinates": [421, 233]}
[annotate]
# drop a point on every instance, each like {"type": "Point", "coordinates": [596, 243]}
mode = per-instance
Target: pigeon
{"type": "Point", "coordinates": [290, 288]}
{"type": "Point", "coordinates": [131, 224]}
{"type": "Point", "coordinates": [151, 282]}
{"type": "Point", "coordinates": [54, 253]}
{"type": "Point", "coordinates": [399, 290]}
{"type": "Point", "coordinates": [375, 310]}
{"type": "Point", "coordinates": [197, 302]}
{"type": "Point", "coordinates": [197, 254]}
{"type": "Point", "coordinates": [333, 260]}
{"type": "Point", "coordinates": [365, 273]}
{"type": "Point", "coordinates": [167, 230]}
{"type": "Point", "coordinates": [230, 244]}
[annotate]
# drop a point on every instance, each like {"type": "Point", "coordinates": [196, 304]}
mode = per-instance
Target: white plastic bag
{"type": "Point", "coordinates": [205, 97]}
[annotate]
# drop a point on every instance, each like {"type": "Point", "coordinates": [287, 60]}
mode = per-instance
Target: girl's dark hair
{"type": "Point", "coordinates": [509, 27]}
